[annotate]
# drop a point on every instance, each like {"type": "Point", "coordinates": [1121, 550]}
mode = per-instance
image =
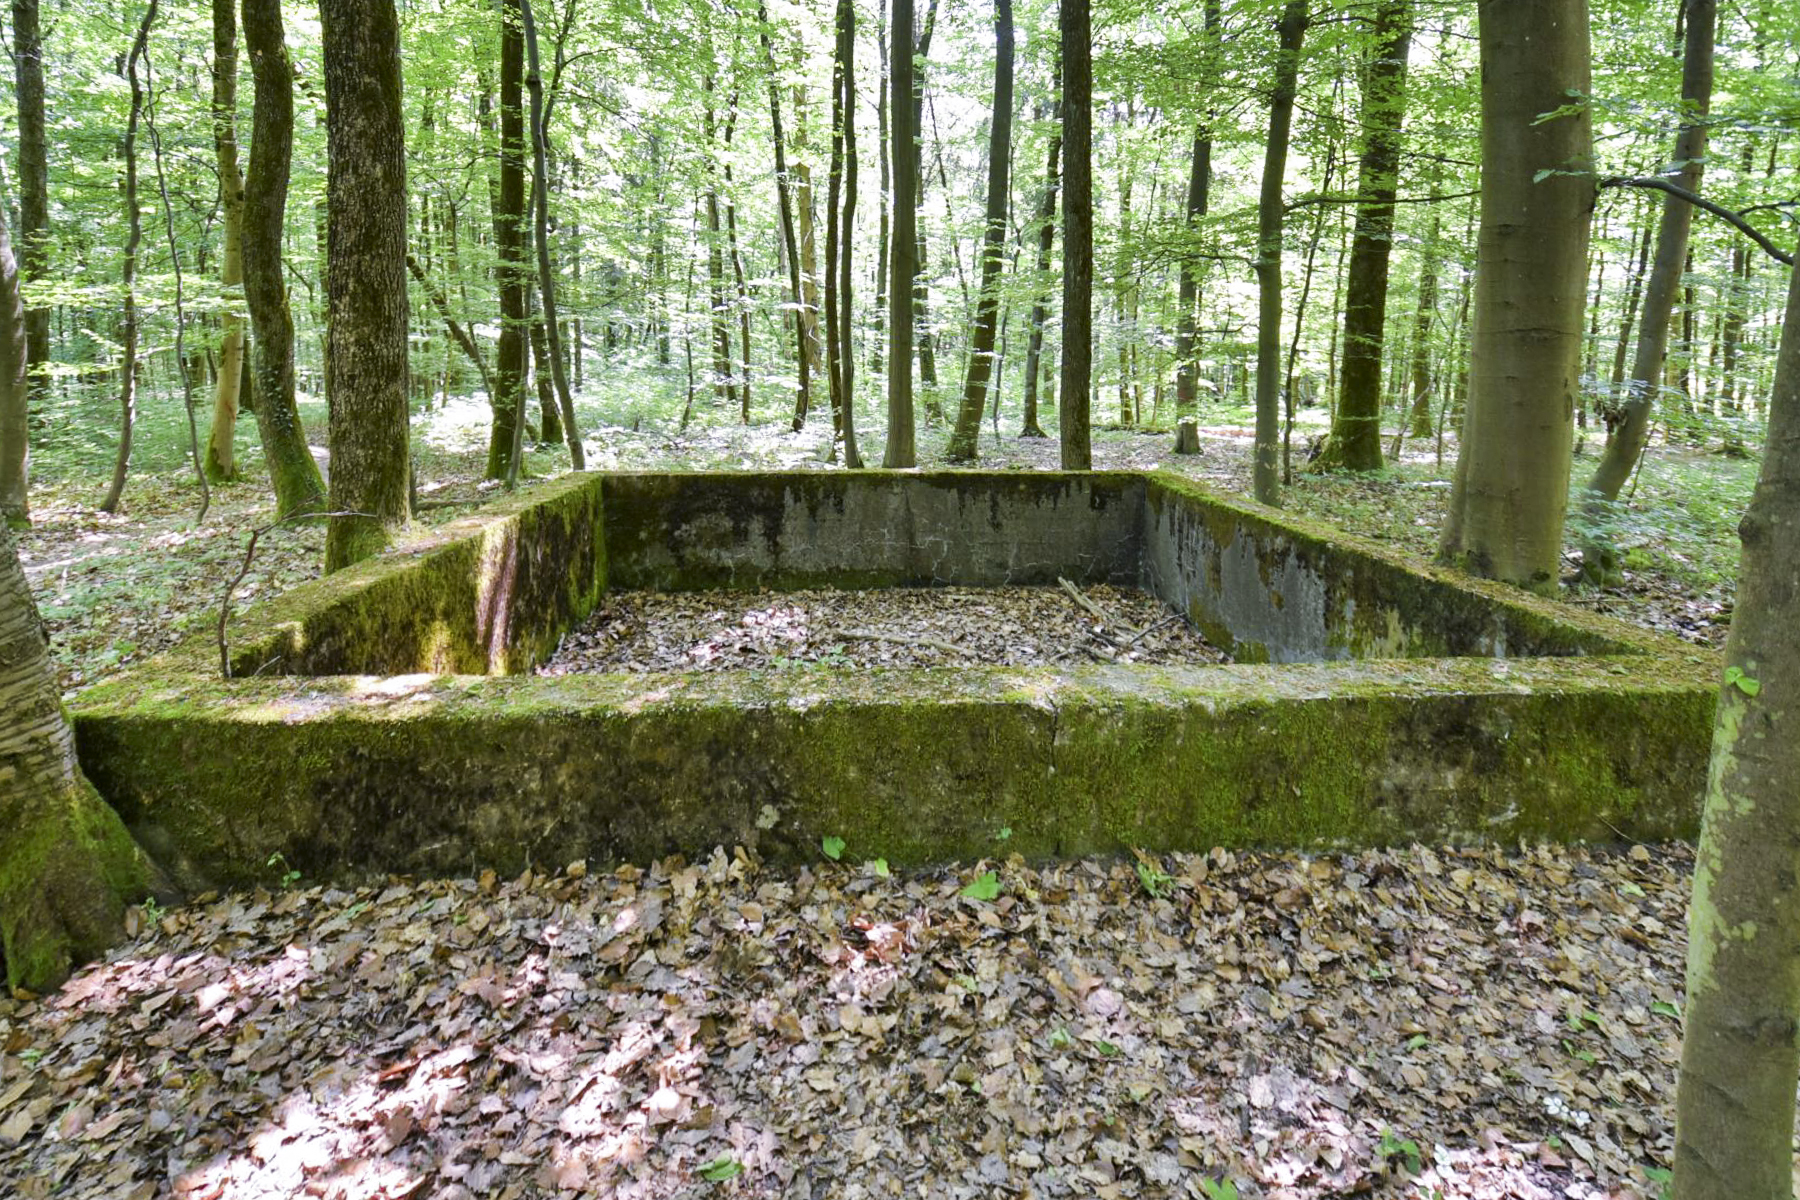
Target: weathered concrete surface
{"type": "Point", "coordinates": [401, 756]}
{"type": "Point", "coordinates": [355, 776]}
{"type": "Point", "coordinates": [489, 594]}
{"type": "Point", "coordinates": [859, 529]}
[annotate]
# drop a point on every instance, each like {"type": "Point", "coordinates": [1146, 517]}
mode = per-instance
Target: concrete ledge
{"type": "Point", "coordinates": [1424, 706]}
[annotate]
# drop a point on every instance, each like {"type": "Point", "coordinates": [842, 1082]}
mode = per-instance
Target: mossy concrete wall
{"type": "Point", "coordinates": [349, 777]}
{"type": "Point", "coordinates": [868, 529]}
{"type": "Point", "coordinates": [1473, 711]}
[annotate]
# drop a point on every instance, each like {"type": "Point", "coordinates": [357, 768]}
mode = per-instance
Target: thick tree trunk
{"type": "Point", "coordinates": [221, 458]}
{"type": "Point", "coordinates": [879, 338]}
{"type": "Point", "coordinates": [34, 205]}
{"type": "Point", "coordinates": [1507, 504]}
{"type": "Point", "coordinates": [1629, 436]}
{"type": "Point", "coordinates": [1355, 440]}
{"type": "Point", "coordinates": [15, 454]}
{"type": "Point", "coordinates": [540, 190]}
{"type": "Point", "coordinates": [366, 278]}
{"type": "Point", "coordinates": [903, 152]}
{"type": "Point", "coordinates": [993, 243]}
{"type": "Point", "coordinates": [1075, 434]}
{"type": "Point", "coordinates": [1187, 365]}
{"type": "Point", "coordinates": [1040, 303]}
{"type": "Point", "coordinates": [292, 471]}
{"type": "Point", "coordinates": [1734, 1107]}
{"type": "Point", "coordinates": [1271, 213]}
{"type": "Point", "coordinates": [68, 867]}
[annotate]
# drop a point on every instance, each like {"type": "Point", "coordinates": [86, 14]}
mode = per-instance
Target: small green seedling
{"type": "Point", "coordinates": [289, 876]}
{"type": "Point", "coordinates": [1663, 1178]}
{"type": "Point", "coordinates": [984, 887]}
{"type": "Point", "coordinates": [1060, 1038]}
{"type": "Point", "coordinates": [833, 847]}
{"type": "Point", "coordinates": [722, 1168]}
{"type": "Point", "coordinates": [1392, 1147]}
{"type": "Point", "coordinates": [1220, 1189]}
{"type": "Point", "coordinates": [1663, 1008]}
{"type": "Point", "coordinates": [879, 866]}
{"type": "Point", "coordinates": [1157, 882]}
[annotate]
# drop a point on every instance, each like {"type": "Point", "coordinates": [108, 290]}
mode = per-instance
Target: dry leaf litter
{"type": "Point", "coordinates": [1422, 1023]}
{"type": "Point", "coordinates": [889, 627]}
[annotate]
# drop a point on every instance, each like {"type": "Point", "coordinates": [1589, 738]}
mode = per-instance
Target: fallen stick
{"type": "Point", "coordinates": [1083, 601]}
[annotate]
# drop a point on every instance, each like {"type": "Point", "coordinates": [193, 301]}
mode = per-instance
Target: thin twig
{"type": "Point", "coordinates": [1734, 219]}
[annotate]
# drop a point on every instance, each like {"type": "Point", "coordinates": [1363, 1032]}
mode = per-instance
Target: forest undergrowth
{"type": "Point", "coordinates": [1465, 1024]}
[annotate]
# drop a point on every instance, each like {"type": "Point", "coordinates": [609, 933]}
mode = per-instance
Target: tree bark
{"type": "Point", "coordinates": [1734, 1106]}
{"type": "Point", "coordinates": [1421, 344]}
{"type": "Point", "coordinates": [15, 453]}
{"type": "Point", "coordinates": [724, 385]}
{"type": "Point", "coordinates": [1270, 216]}
{"type": "Point", "coordinates": [1040, 303]}
{"type": "Point", "coordinates": [34, 198]}
{"type": "Point", "coordinates": [365, 286]}
{"type": "Point", "coordinates": [903, 153]}
{"type": "Point", "coordinates": [540, 190]}
{"type": "Point", "coordinates": [509, 251]}
{"type": "Point", "coordinates": [292, 471]}
{"type": "Point", "coordinates": [790, 239]}
{"type": "Point", "coordinates": [221, 458]}
{"type": "Point", "coordinates": [846, 52]}
{"type": "Point", "coordinates": [1355, 440]}
{"type": "Point", "coordinates": [1199, 188]}
{"type": "Point", "coordinates": [128, 329]}
{"type": "Point", "coordinates": [963, 442]}
{"type": "Point", "coordinates": [1509, 497]}
{"type": "Point", "coordinates": [1629, 436]}
{"type": "Point", "coordinates": [1075, 434]}
{"type": "Point", "coordinates": [68, 867]}
{"type": "Point", "coordinates": [737, 268]}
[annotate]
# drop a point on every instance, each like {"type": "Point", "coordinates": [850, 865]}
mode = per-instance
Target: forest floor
{"type": "Point", "coordinates": [1478, 1023]}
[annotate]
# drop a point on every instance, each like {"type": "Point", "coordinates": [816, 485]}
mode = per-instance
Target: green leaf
{"type": "Point", "coordinates": [985, 887]}
{"type": "Point", "coordinates": [833, 847]}
{"type": "Point", "coordinates": [1106, 1048]}
{"type": "Point", "coordinates": [1060, 1038]}
{"type": "Point", "coordinates": [1664, 1009]}
{"type": "Point", "coordinates": [880, 867]}
{"type": "Point", "coordinates": [722, 1168]}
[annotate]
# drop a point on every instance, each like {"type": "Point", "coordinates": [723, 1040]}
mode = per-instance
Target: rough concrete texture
{"type": "Point", "coordinates": [1601, 732]}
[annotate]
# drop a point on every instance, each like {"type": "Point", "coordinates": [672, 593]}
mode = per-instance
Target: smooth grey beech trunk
{"type": "Point", "coordinates": [292, 471]}
{"type": "Point", "coordinates": [903, 155]}
{"type": "Point", "coordinates": [1270, 218]}
{"type": "Point", "coordinates": [1740, 1053]}
{"type": "Point", "coordinates": [34, 187]}
{"type": "Point", "coordinates": [1075, 414]}
{"type": "Point", "coordinates": [1510, 494]}
{"type": "Point", "coordinates": [15, 451]}
{"type": "Point", "coordinates": [510, 362]}
{"type": "Point", "coordinates": [221, 456]}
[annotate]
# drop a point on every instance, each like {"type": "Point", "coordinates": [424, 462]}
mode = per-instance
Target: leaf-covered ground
{"type": "Point", "coordinates": [890, 627]}
{"type": "Point", "coordinates": [1419, 1023]}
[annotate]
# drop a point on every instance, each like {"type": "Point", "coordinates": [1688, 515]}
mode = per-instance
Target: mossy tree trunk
{"type": "Point", "coordinates": [1734, 1119]}
{"type": "Point", "coordinates": [1510, 494]}
{"type": "Point", "coordinates": [1271, 213]}
{"type": "Point", "coordinates": [68, 867]}
{"type": "Point", "coordinates": [993, 243]}
{"type": "Point", "coordinates": [295, 476]}
{"type": "Point", "coordinates": [221, 460]}
{"type": "Point", "coordinates": [367, 375]}
{"type": "Point", "coordinates": [1355, 440]}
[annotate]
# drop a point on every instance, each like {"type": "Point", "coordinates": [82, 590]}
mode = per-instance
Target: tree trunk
{"type": "Point", "coordinates": [1421, 345]}
{"type": "Point", "coordinates": [1271, 211]}
{"type": "Point", "coordinates": [903, 152]}
{"type": "Point", "coordinates": [790, 238]}
{"type": "Point", "coordinates": [1040, 302]}
{"type": "Point", "coordinates": [1734, 1106]}
{"type": "Point", "coordinates": [1507, 503]}
{"type": "Point", "coordinates": [881, 239]}
{"type": "Point", "coordinates": [34, 205]}
{"type": "Point", "coordinates": [737, 266]}
{"type": "Point", "coordinates": [128, 330]}
{"type": "Point", "coordinates": [921, 258]}
{"type": "Point", "coordinates": [1187, 365]}
{"type": "Point", "coordinates": [846, 55]}
{"type": "Point", "coordinates": [365, 278]}
{"type": "Point", "coordinates": [540, 190]}
{"type": "Point", "coordinates": [15, 454]}
{"type": "Point", "coordinates": [1355, 440]}
{"type": "Point", "coordinates": [724, 386]}
{"type": "Point", "coordinates": [1599, 556]}
{"type": "Point", "coordinates": [292, 471]}
{"type": "Point", "coordinates": [964, 441]}
{"type": "Point", "coordinates": [509, 252]}
{"type": "Point", "coordinates": [1075, 435]}
{"type": "Point", "coordinates": [68, 867]}
{"type": "Point", "coordinates": [221, 459]}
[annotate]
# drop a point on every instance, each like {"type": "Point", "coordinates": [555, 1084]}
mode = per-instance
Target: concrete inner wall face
{"type": "Point", "coordinates": [686, 532]}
